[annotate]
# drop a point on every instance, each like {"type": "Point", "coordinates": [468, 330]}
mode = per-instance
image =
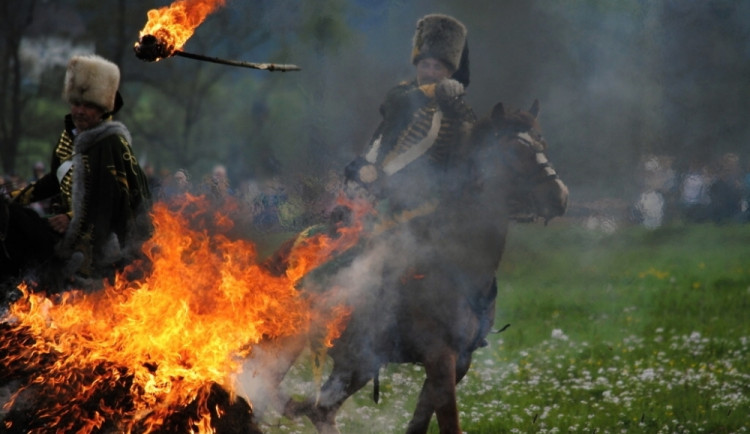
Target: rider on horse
{"type": "Point", "coordinates": [101, 194]}
{"type": "Point", "coordinates": [424, 124]}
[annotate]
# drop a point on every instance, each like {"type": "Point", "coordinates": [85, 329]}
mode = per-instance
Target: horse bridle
{"type": "Point", "coordinates": [532, 139]}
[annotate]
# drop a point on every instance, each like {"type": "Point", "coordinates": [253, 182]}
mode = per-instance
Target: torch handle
{"type": "Point", "coordinates": [264, 66]}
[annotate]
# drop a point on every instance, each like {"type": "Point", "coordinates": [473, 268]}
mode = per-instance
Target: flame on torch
{"type": "Point", "coordinates": [173, 25]}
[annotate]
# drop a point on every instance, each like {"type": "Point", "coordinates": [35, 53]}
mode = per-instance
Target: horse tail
{"type": "Point", "coordinates": [376, 387]}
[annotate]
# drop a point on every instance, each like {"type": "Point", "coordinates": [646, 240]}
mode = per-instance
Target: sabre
{"type": "Point", "coordinates": [151, 49]}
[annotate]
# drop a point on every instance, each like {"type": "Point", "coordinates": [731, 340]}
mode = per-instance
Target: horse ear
{"type": "Point", "coordinates": [534, 110]}
{"type": "Point", "coordinates": [498, 112]}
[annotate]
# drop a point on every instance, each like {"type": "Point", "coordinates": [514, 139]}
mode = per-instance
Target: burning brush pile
{"type": "Point", "coordinates": [160, 353]}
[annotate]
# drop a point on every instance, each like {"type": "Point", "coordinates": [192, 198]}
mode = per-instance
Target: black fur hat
{"type": "Point", "coordinates": [439, 36]}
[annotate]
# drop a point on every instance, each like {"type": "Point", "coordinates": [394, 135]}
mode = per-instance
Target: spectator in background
{"type": "Point", "coordinates": [694, 197]}
{"type": "Point", "coordinates": [38, 170]}
{"type": "Point", "coordinates": [654, 203]}
{"type": "Point", "coordinates": [182, 180]}
{"type": "Point", "coordinates": [746, 194]}
{"type": "Point", "coordinates": [726, 190]}
{"type": "Point", "coordinates": [217, 185]}
{"type": "Point", "coordinates": [250, 194]}
{"type": "Point", "coordinates": [176, 184]}
{"type": "Point", "coordinates": [154, 181]}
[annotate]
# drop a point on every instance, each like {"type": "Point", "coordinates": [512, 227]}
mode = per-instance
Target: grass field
{"type": "Point", "coordinates": [632, 331]}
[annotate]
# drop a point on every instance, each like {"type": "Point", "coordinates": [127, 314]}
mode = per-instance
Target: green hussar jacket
{"type": "Point", "coordinates": [99, 184]}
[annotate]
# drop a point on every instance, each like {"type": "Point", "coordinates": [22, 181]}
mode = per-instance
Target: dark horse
{"type": "Point", "coordinates": [439, 303]}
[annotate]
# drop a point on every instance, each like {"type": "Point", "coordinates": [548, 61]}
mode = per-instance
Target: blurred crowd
{"type": "Point", "coordinates": [268, 205]}
{"type": "Point", "coordinates": [704, 191]}
{"type": "Point", "coordinates": [715, 191]}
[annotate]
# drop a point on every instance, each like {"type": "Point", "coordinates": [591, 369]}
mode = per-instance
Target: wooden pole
{"type": "Point", "coordinates": [263, 66]}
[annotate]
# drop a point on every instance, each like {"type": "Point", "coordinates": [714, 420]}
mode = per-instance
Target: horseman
{"type": "Point", "coordinates": [424, 124]}
{"type": "Point", "coordinates": [410, 162]}
{"type": "Point", "coordinates": [421, 285]}
{"type": "Point", "coordinates": [100, 193]}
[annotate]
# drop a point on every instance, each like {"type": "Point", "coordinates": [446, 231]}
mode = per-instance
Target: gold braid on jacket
{"type": "Point", "coordinates": [64, 152]}
{"type": "Point", "coordinates": [449, 141]}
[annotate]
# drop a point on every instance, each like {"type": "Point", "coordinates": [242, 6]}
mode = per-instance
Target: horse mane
{"type": "Point", "coordinates": [519, 120]}
{"type": "Point", "coordinates": [500, 122]}
{"type": "Point", "coordinates": [481, 129]}
{"type": "Point", "coordinates": [503, 120]}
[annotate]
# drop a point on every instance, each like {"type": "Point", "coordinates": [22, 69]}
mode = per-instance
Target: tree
{"type": "Point", "coordinates": [15, 18]}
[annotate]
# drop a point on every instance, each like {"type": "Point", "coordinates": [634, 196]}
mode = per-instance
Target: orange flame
{"type": "Point", "coordinates": [175, 24]}
{"type": "Point", "coordinates": [159, 341]}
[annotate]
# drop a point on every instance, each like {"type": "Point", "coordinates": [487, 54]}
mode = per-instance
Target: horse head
{"type": "Point", "coordinates": [512, 151]}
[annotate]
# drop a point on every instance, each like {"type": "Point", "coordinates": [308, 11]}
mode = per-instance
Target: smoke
{"type": "Point", "coordinates": [361, 279]}
{"type": "Point", "coordinates": [616, 82]}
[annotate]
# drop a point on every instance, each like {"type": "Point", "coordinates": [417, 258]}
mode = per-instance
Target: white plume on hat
{"type": "Point", "coordinates": [439, 36]}
{"type": "Point", "coordinates": [92, 79]}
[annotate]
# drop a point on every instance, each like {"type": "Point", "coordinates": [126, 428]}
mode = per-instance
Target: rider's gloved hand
{"type": "Point", "coordinates": [448, 90]}
{"type": "Point", "coordinates": [361, 171]}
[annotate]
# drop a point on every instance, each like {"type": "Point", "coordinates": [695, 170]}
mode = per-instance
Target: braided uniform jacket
{"type": "Point", "coordinates": [64, 152]}
{"type": "Point", "coordinates": [416, 143]}
{"type": "Point", "coordinates": [49, 186]}
{"type": "Point", "coordinates": [101, 187]}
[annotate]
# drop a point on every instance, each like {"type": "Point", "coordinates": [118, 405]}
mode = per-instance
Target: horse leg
{"type": "Point", "coordinates": [442, 373]}
{"type": "Point", "coordinates": [438, 394]}
{"type": "Point", "coordinates": [266, 368]}
{"type": "Point", "coordinates": [340, 385]}
{"type": "Point", "coordinates": [420, 421]}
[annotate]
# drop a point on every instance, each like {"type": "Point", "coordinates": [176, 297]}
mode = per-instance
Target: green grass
{"type": "Point", "coordinates": [635, 331]}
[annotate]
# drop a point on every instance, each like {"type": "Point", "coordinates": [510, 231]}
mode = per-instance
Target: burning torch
{"type": "Point", "coordinates": [150, 48]}
{"type": "Point", "coordinates": [168, 29]}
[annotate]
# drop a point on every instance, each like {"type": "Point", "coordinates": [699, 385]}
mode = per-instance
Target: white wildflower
{"type": "Point", "coordinates": [558, 334]}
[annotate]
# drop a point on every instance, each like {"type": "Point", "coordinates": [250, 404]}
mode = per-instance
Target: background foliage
{"type": "Point", "coordinates": [616, 79]}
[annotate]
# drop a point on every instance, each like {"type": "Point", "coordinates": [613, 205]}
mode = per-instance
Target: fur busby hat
{"type": "Point", "coordinates": [439, 36]}
{"type": "Point", "coordinates": [92, 79]}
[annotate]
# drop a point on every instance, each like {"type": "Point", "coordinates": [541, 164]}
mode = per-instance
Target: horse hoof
{"type": "Point", "coordinates": [294, 409]}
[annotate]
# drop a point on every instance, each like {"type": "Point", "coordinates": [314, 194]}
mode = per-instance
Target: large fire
{"type": "Point", "coordinates": [131, 357]}
{"type": "Point", "coordinates": [173, 25]}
